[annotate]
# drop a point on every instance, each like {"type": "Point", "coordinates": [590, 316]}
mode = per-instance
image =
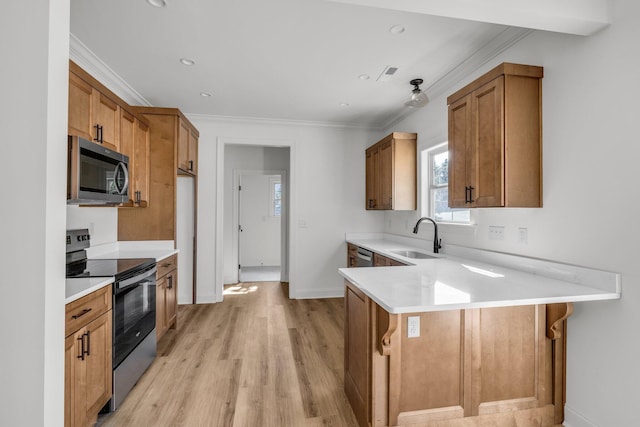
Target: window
{"type": "Point", "coordinates": [276, 196]}
{"type": "Point", "coordinates": [435, 187]}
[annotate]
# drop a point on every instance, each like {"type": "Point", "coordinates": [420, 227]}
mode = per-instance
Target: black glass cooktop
{"type": "Point", "coordinates": [119, 268]}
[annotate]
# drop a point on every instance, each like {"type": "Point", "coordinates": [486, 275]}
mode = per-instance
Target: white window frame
{"type": "Point", "coordinates": [428, 208]}
{"type": "Point", "coordinates": [272, 196]}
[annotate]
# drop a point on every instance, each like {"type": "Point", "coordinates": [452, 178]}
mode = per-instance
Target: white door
{"type": "Point", "coordinates": [259, 231]}
{"type": "Point", "coordinates": [185, 227]}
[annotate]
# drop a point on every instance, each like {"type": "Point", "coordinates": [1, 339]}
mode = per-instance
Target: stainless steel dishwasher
{"type": "Point", "coordinates": [365, 258]}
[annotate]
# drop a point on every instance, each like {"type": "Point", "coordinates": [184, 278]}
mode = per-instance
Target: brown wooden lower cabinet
{"type": "Point", "coordinates": [166, 295]}
{"type": "Point", "coordinates": [88, 351]}
{"type": "Point", "coordinates": [499, 364]}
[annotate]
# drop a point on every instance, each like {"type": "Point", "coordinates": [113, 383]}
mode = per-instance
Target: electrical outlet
{"type": "Point", "coordinates": [496, 232]}
{"type": "Point", "coordinates": [413, 326]}
{"type": "Point", "coordinates": [523, 235]}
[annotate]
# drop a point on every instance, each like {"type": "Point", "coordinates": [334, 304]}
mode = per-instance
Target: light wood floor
{"type": "Point", "coordinates": [256, 359]}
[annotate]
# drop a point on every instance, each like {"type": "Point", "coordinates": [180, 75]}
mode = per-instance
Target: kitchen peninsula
{"type": "Point", "coordinates": [462, 336]}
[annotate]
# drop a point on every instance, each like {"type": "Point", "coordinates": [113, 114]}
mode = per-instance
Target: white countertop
{"type": "Point", "coordinates": [158, 249]}
{"type": "Point", "coordinates": [452, 282]}
{"type": "Point", "coordinates": [77, 288]}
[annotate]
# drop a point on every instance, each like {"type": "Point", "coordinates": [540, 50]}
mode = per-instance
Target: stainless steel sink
{"type": "Point", "coordinates": [412, 254]}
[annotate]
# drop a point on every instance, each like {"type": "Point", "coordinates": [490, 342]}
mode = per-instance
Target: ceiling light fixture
{"type": "Point", "coordinates": [344, 104]}
{"type": "Point", "coordinates": [157, 3]}
{"type": "Point", "coordinates": [186, 61]}
{"type": "Point", "coordinates": [418, 98]}
{"type": "Point", "coordinates": [205, 94]}
{"type": "Point", "coordinates": [364, 76]}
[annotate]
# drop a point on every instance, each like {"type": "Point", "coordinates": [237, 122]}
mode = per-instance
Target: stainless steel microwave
{"type": "Point", "coordinates": [95, 174]}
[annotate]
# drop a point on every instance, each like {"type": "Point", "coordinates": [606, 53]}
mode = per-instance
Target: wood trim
{"type": "Point", "coordinates": [505, 68]}
{"type": "Point", "coordinates": [396, 136]}
{"type": "Point", "coordinates": [557, 315]}
{"type": "Point", "coordinates": [386, 326]}
{"type": "Point", "coordinates": [166, 112]}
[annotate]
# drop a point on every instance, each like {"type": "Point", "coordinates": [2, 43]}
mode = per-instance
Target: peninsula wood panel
{"type": "Point", "coordinates": [431, 364]}
{"type": "Point", "coordinates": [357, 353]}
{"type": "Point", "coordinates": [493, 364]}
{"type": "Point", "coordinates": [511, 359]}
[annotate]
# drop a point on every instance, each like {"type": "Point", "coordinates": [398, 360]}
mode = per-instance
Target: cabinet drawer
{"type": "Point", "coordinates": [166, 265]}
{"type": "Point", "coordinates": [82, 311]}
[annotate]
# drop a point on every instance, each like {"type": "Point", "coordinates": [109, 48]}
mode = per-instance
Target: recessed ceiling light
{"type": "Point", "coordinates": [205, 94]}
{"type": "Point", "coordinates": [344, 104]}
{"type": "Point", "coordinates": [187, 61]}
{"type": "Point", "coordinates": [364, 76]}
{"type": "Point", "coordinates": [397, 29]}
{"type": "Point", "coordinates": [157, 3]}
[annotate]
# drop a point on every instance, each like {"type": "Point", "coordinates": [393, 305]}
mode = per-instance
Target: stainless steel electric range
{"type": "Point", "coordinates": [134, 310]}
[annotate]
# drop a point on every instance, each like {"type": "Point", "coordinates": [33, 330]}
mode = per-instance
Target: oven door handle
{"type": "Point", "coordinates": [133, 280]}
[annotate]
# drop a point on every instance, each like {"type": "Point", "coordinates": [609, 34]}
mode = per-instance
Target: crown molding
{"type": "Point", "coordinates": [89, 61]}
{"type": "Point", "coordinates": [276, 122]}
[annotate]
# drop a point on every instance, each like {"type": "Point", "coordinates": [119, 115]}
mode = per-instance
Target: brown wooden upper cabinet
{"type": "Point", "coordinates": [158, 220]}
{"type": "Point", "coordinates": [98, 115]}
{"type": "Point", "coordinates": [187, 149]}
{"type": "Point", "coordinates": [134, 142]}
{"type": "Point", "coordinates": [391, 173]}
{"type": "Point", "coordinates": [495, 139]}
{"type": "Point", "coordinates": [93, 114]}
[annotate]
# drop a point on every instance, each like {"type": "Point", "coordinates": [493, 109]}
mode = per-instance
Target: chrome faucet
{"type": "Point", "coordinates": [436, 243]}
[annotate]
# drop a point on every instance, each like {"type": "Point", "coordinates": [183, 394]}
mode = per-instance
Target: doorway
{"type": "Point", "coordinates": [261, 176]}
{"type": "Point", "coordinates": [260, 199]}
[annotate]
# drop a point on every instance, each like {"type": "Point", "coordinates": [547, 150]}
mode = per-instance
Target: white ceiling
{"type": "Point", "coordinates": [295, 60]}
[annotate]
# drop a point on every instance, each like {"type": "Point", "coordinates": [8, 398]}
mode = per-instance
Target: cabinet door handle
{"type": "Point", "coordinates": [81, 355]}
{"type": "Point", "coordinates": [97, 138]}
{"type": "Point", "coordinates": [82, 313]}
{"type": "Point", "coordinates": [138, 197]}
{"type": "Point", "coordinates": [88, 351]}
{"type": "Point", "coordinates": [170, 280]}
{"type": "Point", "coordinates": [191, 165]}
{"type": "Point", "coordinates": [471, 194]}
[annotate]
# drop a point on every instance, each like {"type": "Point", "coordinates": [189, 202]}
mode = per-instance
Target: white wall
{"type": "Point", "coordinates": [102, 222]}
{"type": "Point", "coordinates": [327, 194]}
{"type": "Point", "coordinates": [33, 120]}
{"type": "Point", "coordinates": [591, 153]}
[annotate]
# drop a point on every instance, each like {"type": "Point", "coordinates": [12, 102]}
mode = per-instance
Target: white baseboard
{"type": "Point", "coordinates": [319, 293]}
{"type": "Point", "coordinates": [574, 419]}
{"type": "Point", "coordinates": [205, 299]}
